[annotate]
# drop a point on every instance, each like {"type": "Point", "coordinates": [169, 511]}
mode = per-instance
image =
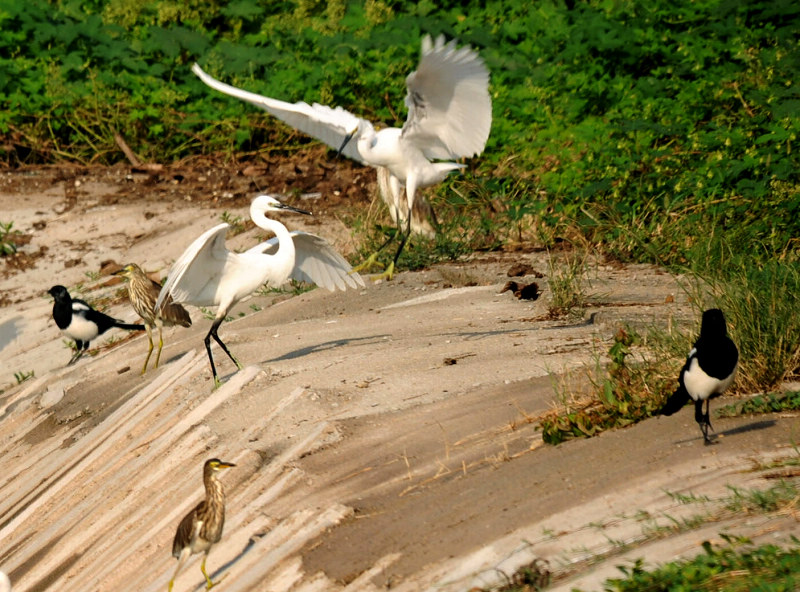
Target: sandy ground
{"type": "Point", "coordinates": [384, 437]}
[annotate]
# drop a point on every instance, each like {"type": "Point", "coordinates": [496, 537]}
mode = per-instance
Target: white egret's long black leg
{"type": "Point", "coordinates": [207, 341]}
{"type": "Point", "coordinates": [213, 333]}
{"type": "Point", "coordinates": [405, 234]}
{"type": "Point", "coordinates": [372, 260]}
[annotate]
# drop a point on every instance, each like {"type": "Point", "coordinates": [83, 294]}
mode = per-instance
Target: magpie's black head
{"type": "Point", "coordinates": [58, 292]}
{"type": "Point", "coordinates": [713, 323]}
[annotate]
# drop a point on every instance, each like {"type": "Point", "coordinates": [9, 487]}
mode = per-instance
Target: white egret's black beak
{"type": "Point", "coordinates": [293, 209]}
{"type": "Point", "coordinates": [347, 139]}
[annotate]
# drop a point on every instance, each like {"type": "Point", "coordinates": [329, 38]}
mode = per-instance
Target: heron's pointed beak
{"type": "Point", "coordinates": [347, 139]}
{"type": "Point", "coordinates": [294, 209]}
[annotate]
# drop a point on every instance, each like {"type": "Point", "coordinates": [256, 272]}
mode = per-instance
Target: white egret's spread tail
{"type": "Point", "coordinates": [449, 118]}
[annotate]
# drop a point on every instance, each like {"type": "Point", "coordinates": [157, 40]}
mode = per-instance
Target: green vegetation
{"type": "Point", "coordinates": [22, 376]}
{"type": "Point", "coordinates": [236, 223]}
{"type": "Point", "coordinates": [760, 304]}
{"type": "Point", "coordinates": [767, 403]}
{"type": "Point", "coordinates": [737, 566]}
{"type": "Point", "coordinates": [7, 244]}
{"type": "Point", "coordinates": [650, 131]}
{"type": "Point", "coordinates": [732, 568]}
{"type": "Point", "coordinates": [624, 393]}
{"type": "Point", "coordinates": [654, 128]}
{"type": "Point", "coordinates": [565, 281]}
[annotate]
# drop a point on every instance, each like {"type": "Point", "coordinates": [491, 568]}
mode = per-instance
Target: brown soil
{"type": "Point", "coordinates": [384, 438]}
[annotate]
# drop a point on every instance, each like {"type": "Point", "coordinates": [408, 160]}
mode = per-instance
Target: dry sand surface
{"type": "Point", "coordinates": [383, 437]}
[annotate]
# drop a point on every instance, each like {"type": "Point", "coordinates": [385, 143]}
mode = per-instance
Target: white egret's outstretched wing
{"type": "Point", "coordinates": [329, 125]}
{"type": "Point", "coordinates": [449, 107]}
{"type": "Point", "coordinates": [316, 262]}
{"type": "Point", "coordinates": [192, 277]}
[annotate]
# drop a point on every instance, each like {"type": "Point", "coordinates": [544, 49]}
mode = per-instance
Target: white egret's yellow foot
{"type": "Point", "coordinates": [386, 274]}
{"type": "Point", "coordinates": [369, 263]}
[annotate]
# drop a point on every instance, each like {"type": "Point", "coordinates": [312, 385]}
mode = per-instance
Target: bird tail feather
{"type": "Point", "coordinates": [676, 401]}
{"type": "Point", "coordinates": [129, 327]}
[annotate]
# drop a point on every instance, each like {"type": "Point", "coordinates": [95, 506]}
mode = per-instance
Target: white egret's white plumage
{"type": "Point", "coordinates": [449, 117]}
{"type": "Point", "coordinates": [208, 274]}
{"type": "Point", "coordinates": [5, 583]}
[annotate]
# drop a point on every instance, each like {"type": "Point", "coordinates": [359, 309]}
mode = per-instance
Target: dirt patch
{"type": "Point", "coordinates": [384, 438]}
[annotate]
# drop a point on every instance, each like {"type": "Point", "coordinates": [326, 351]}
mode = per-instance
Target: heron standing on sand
{"type": "Point", "coordinates": [202, 527]}
{"type": "Point", "coordinates": [143, 293]}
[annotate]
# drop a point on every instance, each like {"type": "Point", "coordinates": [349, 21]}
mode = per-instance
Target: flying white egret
{"type": "Point", "coordinates": [208, 274]}
{"type": "Point", "coordinates": [449, 117]}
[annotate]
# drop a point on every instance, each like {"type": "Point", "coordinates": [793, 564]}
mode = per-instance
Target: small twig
{"type": "Point", "coordinates": [747, 108]}
{"type": "Point", "coordinates": [129, 154]}
{"type": "Point", "coordinates": [133, 159]}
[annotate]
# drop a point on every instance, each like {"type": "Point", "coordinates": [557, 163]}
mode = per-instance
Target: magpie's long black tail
{"type": "Point", "coordinates": [675, 402]}
{"type": "Point", "coordinates": [129, 327]}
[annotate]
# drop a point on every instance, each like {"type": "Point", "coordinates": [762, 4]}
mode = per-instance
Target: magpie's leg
{"type": "Point", "coordinates": [700, 418]}
{"type": "Point", "coordinates": [80, 347]}
{"type": "Point", "coordinates": [708, 413]}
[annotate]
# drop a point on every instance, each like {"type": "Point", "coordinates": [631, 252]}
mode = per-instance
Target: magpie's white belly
{"type": "Point", "coordinates": [700, 385]}
{"type": "Point", "coordinates": [80, 329]}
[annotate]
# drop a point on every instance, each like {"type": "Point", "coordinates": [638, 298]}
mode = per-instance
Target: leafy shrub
{"type": "Point", "coordinates": [8, 246]}
{"type": "Point", "coordinates": [766, 403]}
{"type": "Point", "coordinates": [729, 568]}
{"type": "Point", "coordinates": [759, 302]}
{"type": "Point", "coordinates": [627, 394]}
{"type": "Point", "coordinates": [650, 126]}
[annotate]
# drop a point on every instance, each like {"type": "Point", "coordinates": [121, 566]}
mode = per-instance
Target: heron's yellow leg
{"type": "Point", "coordinates": [150, 349]}
{"type": "Point", "coordinates": [160, 345]}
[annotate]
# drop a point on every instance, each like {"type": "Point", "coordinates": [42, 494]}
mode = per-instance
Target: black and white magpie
{"type": "Point", "coordinates": [79, 321]}
{"type": "Point", "coordinates": [708, 371]}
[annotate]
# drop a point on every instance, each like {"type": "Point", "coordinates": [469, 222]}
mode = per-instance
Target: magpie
{"type": "Point", "coordinates": [79, 321]}
{"type": "Point", "coordinates": [708, 371]}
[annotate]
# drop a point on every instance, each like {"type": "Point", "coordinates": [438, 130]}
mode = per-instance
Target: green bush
{"type": "Point", "coordinates": [650, 126]}
{"type": "Point", "coordinates": [624, 394]}
{"type": "Point", "coordinates": [729, 569]}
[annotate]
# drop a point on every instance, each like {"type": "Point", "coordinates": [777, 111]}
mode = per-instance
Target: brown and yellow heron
{"type": "Point", "coordinates": [202, 527]}
{"type": "Point", "coordinates": [143, 292]}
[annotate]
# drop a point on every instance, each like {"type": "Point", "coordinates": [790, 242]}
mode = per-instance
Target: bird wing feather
{"type": "Point", "coordinates": [316, 262]}
{"type": "Point", "coordinates": [449, 107]}
{"type": "Point", "coordinates": [187, 530]}
{"type": "Point", "coordinates": [78, 304]}
{"type": "Point", "coordinates": [328, 124]}
{"type": "Point", "coordinates": [199, 264]}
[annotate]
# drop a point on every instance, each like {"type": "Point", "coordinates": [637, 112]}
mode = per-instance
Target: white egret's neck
{"type": "Point", "coordinates": [282, 261]}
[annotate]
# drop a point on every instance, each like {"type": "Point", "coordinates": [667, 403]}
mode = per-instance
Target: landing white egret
{"type": "Point", "coordinates": [449, 117]}
{"type": "Point", "coordinates": [208, 274]}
